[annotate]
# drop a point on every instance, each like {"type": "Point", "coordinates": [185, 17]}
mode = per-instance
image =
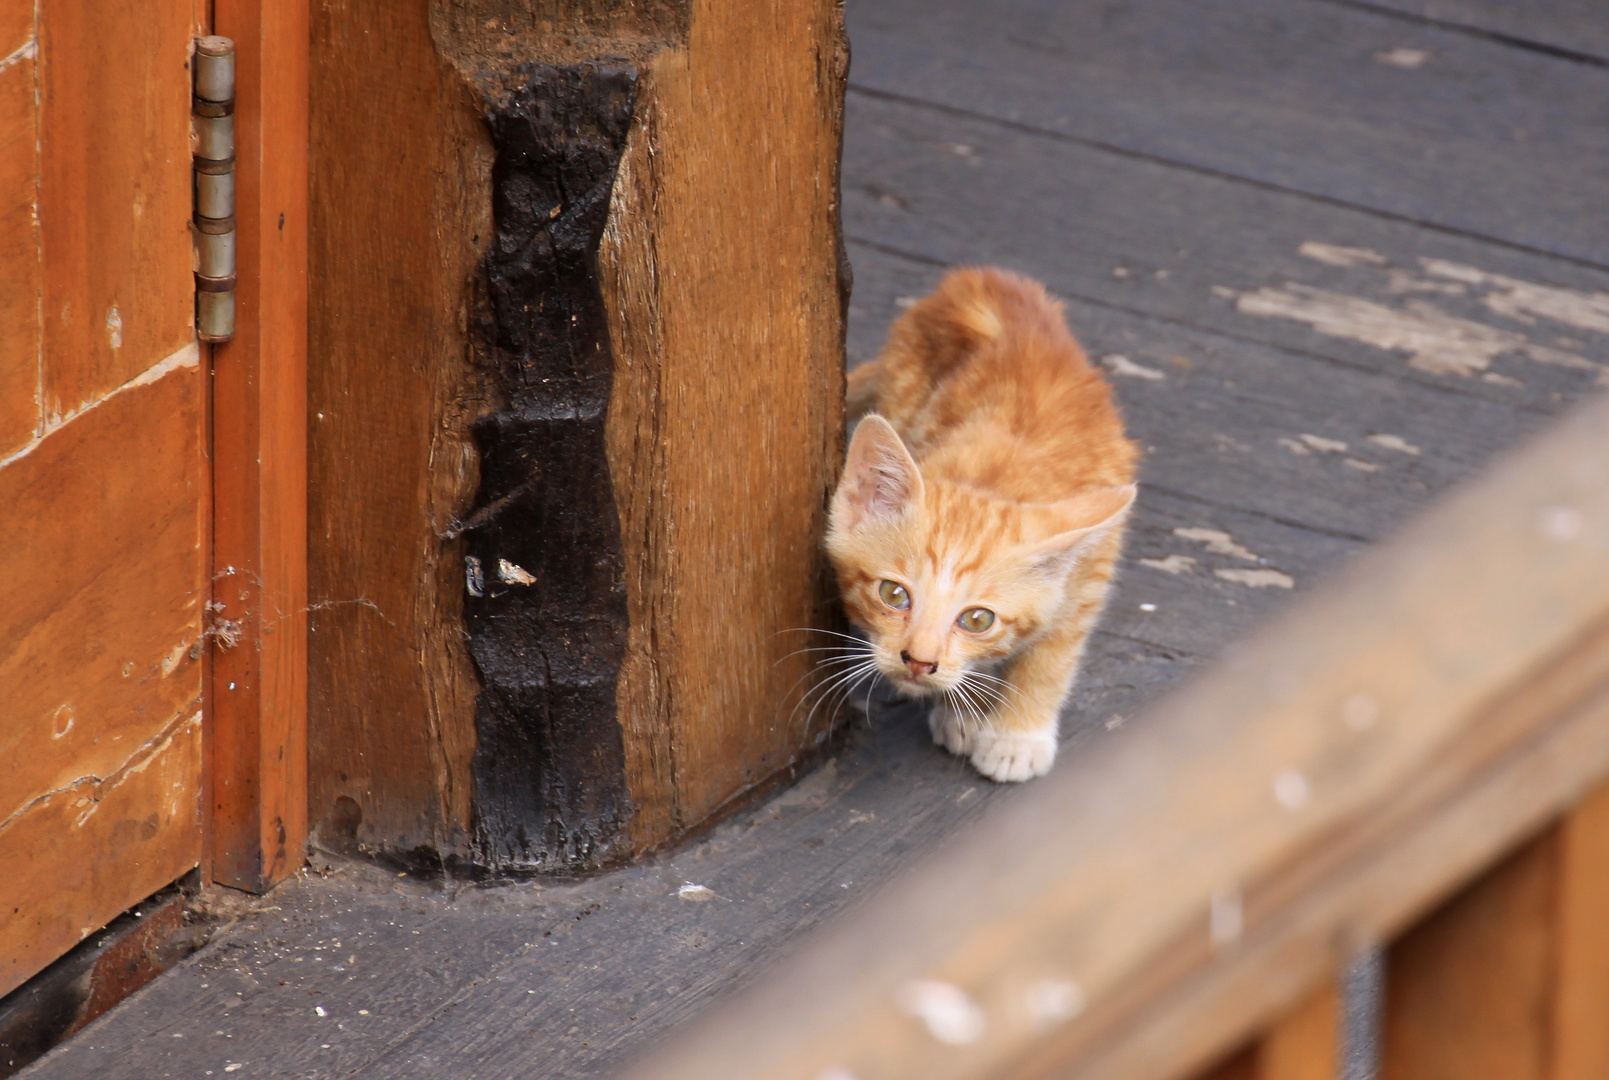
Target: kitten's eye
{"type": "Point", "coordinates": [894, 595]}
{"type": "Point", "coordinates": [976, 620]}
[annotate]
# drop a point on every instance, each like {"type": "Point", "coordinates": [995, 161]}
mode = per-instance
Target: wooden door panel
{"type": "Point", "coordinates": [103, 598]}
{"type": "Point", "coordinates": [104, 480]}
{"type": "Point", "coordinates": [114, 192]}
{"type": "Point", "coordinates": [19, 235]}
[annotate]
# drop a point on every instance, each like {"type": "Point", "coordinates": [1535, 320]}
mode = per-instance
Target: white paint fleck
{"type": "Point", "coordinates": [114, 328]}
{"type": "Point", "coordinates": [1173, 564]}
{"type": "Point", "coordinates": [1258, 579]}
{"type": "Point", "coordinates": [1216, 541]}
{"type": "Point", "coordinates": [1500, 380]}
{"type": "Point", "coordinates": [1055, 1001]}
{"type": "Point", "coordinates": [1562, 523]}
{"type": "Point", "coordinates": [1295, 447]}
{"type": "Point", "coordinates": [1290, 789]}
{"type": "Point", "coordinates": [1337, 255]}
{"type": "Point", "coordinates": [1118, 364]}
{"type": "Point", "coordinates": [320, 1010]}
{"type": "Point", "coordinates": [1120, 271]}
{"type": "Point", "coordinates": [1115, 721]}
{"type": "Point", "coordinates": [1226, 916]}
{"type": "Point", "coordinates": [907, 301]}
{"type": "Point", "coordinates": [1401, 282]}
{"type": "Point", "coordinates": [514, 574]}
{"type": "Point", "coordinates": [233, 1067]}
{"type": "Point", "coordinates": [950, 1015]}
{"type": "Point", "coordinates": [1402, 58]}
{"type": "Point", "coordinates": [1360, 466]}
{"type": "Point", "coordinates": [62, 722]}
{"type": "Point", "coordinates": [698, 894]}
{"type": "Point", "coordinates": [26, 51]}
{"type": "Point", "coordinates": [1147, 607]}
{"type": "Point", "coordinates": [1360, 712]}
{"type": "Point", "coordinates": [474, 576]}
{"type": "Point", "coordinates": [1323, 445]}
{"type": "Point", "coordinates": [1224, 292]}
{"type": "Point", "coordinates": [959, 149]}
{"type": "Point", "coordinates": [1395, 442]}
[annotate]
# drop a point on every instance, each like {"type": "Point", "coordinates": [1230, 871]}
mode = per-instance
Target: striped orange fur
{"type": "Point", "coordinates": [989, 472]}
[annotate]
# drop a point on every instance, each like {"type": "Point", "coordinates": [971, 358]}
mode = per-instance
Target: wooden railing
{"type": "Point", "coordinates": [1411, 761]}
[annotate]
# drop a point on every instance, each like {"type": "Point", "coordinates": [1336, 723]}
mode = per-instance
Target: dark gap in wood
{"type": "Point", "coordinates": [1217, 174]}
{"type": "Point", "coordinates": [546, 611]}
{"type": "Point", "coordinates": [97, 974]}
{"type": "Point", "coordinates": [1556, 51]}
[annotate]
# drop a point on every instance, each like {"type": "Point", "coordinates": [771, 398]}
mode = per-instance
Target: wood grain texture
{"type": "Point", "coordinates": [723, 256]}
{"type": "Point", "coordinates": [16, 26]}
{"type": "Point", "coordinates": [1571, 27]}
{"type": "Point", "coordinates": [1511, 978]}
{"type": "Point", "coordinates": [114, 193]}
{"type": "Point", "coordinates": [1343, 771]}
{"type": "Point", "coordinates": [103, 595]}
{"type": "Point", "coordinates": [1291, 94]}
{"type": "Point", "coordinates": [259, 450]}
{"type": "Point", "coordinates": [19, 242]}
{"type": "Point", "coordinates": [399, 213]}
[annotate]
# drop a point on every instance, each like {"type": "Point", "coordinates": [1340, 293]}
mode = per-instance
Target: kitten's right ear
{"type": "Point", "coordinates": [880, 481]}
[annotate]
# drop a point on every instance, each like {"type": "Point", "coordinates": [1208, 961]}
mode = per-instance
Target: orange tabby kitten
{"type": "Point", "coordinates": [980, 514]}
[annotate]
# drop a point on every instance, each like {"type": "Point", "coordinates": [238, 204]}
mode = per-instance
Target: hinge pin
{"type": "Point", "coordinates": [212, 145]}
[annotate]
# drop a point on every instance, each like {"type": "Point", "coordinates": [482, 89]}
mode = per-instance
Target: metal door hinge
{"type": "Point", "coordinates": [212, 146]}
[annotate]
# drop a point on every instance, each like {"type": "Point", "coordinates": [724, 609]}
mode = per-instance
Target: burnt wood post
{"type": "Point", "coordinates": [576, 383]}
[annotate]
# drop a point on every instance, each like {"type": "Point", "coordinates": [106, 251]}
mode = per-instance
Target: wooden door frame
{"type": "Point", "coordinates": [256, 778]}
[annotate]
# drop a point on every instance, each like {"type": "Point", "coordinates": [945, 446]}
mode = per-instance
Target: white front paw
{"type": "Point", "coordinates": [1013, 756]}
{"type": "Point", "coordinates": [950, 729]}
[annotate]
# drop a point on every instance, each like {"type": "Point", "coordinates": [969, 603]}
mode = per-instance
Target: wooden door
{"type": "Point", "coordinates": [104, 481]}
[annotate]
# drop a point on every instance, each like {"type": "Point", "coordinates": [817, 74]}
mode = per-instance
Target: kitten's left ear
{"type": "Point", "coordinates": [1091, 515]}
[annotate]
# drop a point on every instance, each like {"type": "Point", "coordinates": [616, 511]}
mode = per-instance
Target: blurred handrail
{"type": "Point", "coordinates": [1170, 890]}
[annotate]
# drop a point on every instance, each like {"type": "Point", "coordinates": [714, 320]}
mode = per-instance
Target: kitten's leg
{"type": "Point", "coordinates": [1018, 742]}
{"type": "Point", "coordinates": [860, 396]}
{"type": "Point", "coordinates": [951, 728]}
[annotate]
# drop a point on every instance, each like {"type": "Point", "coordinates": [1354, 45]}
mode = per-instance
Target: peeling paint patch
{"type": "Point", "coordinates": [1122, 365]}
{"type": "Point", "coordinates": [1395, 442]}
{"type": "Point", "coordinates": [1258, 579]}
{"type": "Point", "coordinates": [1527, 301]}
{"type": "Point", "coordinates": [1434, 340]}
{"type": "Point", "coordinates": [114, 328]}
{"type": "Point", "coordinates": [1173, 564]}
{"type": "Point", "coordinates": [62, 722]}
{"type": "Point", "coordinates": [1216, 541]}
{"type": "Point", "coordinates": [698, 894]}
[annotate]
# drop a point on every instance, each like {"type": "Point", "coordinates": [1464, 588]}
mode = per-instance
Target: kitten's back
{"type": "Point", "coordinates": [988, 388]}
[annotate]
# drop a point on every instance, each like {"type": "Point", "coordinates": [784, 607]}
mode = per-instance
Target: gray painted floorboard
{"type": "Point", "coordinates": [1269, 238]}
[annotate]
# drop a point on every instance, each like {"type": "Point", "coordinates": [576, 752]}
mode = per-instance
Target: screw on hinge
{"type": "Point", "coordinates": [212, 145]}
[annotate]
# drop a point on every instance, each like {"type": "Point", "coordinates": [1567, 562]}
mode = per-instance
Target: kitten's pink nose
{"type": "Point", "coordinates": [917, 668]}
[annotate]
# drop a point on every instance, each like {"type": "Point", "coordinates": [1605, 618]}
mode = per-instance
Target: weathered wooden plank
{"type": "Point", "coordinates": [16, 27]}
{"type": "Point", "coordinates": [394, 237]}
{"type": "Point", "coordinates": [1511, 978]}
{"type": "Point", "coordinates": [102, 723]}
{"type": "Point", "coordinates": [1251, 263]}
{"type": "Point", "coordinates": [1331, 99]}
{"type": "Point", "coordinates": [258, 795]}
{"type": "Point", "coordinates": [1194, 876]}
{"type": "Point", "coordinates": [19, 240]}
{"type": "Point", "coordinates": [1570, 27]}
{"type": "Point", "coordinates": [721, 482]}
{"type": "Point", "coordinates": [114, 193]}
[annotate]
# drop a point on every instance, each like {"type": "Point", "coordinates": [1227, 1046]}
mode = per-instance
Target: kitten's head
{"type": "Point", "coordinates": [945, 579]}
